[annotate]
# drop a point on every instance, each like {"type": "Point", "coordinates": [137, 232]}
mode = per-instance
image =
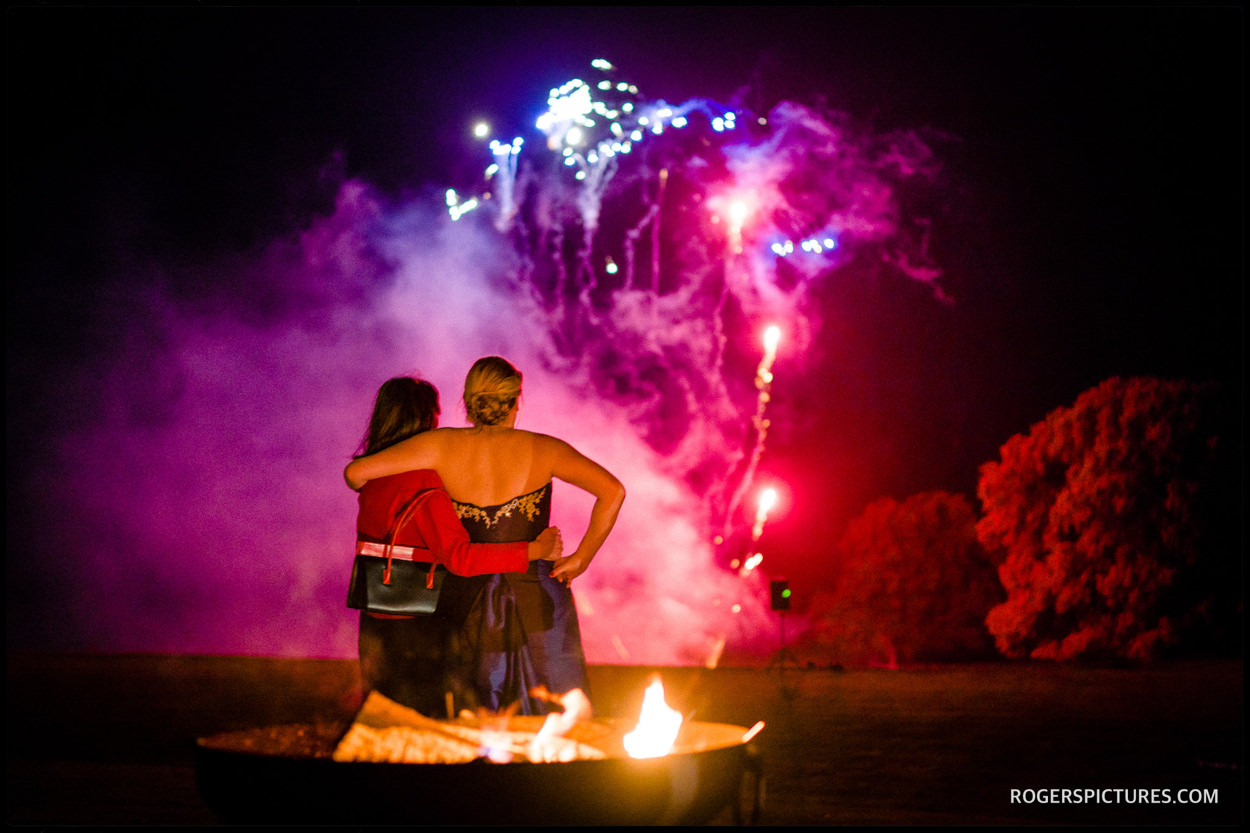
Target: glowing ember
{"type": "Point", "coordinates": [768, 499]}
{"type": "Point", "coordinates": [739, 213]}
{"type": "Point", "coordinates": [763, 383]}
{"type": "Point", "coordinates": [657, 725]}
{"type": "Point", "coordinates": [772, 337]}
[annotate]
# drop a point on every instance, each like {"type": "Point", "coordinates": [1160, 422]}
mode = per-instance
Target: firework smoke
{"type": "Point", "coordinates": [202, 507]}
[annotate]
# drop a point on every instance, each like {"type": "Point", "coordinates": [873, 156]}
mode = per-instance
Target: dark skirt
{"type": "Point", "coordinates": [416, 662]}
{"type": "Point", "coordinates": [520, 633]}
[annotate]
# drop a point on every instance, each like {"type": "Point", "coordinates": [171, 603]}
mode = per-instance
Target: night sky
{"type": "Point", "coordinates": [170, 170]}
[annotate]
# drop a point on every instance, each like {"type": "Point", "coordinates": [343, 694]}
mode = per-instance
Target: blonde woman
{"type": "Point", "coordinates": [521, 631]}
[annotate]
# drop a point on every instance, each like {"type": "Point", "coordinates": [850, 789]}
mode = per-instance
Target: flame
{"type": "Point", "coordinates": [657, 725]}
{"type": "Point", "coordinates": [549, 745]}
{"type": "Point", "coordinates": [496, 744]}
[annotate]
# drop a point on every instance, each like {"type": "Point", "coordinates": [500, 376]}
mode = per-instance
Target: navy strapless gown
{"type": "Point", "coordinates": [520, 629]}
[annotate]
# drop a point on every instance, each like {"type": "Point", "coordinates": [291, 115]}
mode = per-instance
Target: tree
{"type": "Point", "coordinates": [1112, 524]}
{"type": "Point", "coordinates": [915, 585]}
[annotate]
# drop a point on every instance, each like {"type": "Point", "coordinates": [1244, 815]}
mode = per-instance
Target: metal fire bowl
{"type": "Point", "coordinates": [711, 769]}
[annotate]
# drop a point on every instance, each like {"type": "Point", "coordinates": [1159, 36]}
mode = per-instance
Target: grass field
{"type": "Point", "coordinates": [109, 740]}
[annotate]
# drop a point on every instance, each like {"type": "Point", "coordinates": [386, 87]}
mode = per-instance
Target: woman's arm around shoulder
{"type": "Point", "coordinates": [419, 452]}
{"type": "Point", "coordinates": [449, 543]}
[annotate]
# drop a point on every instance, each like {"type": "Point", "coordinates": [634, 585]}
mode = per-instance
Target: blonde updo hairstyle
{"type": "Point", "coordinates": [491, 389]}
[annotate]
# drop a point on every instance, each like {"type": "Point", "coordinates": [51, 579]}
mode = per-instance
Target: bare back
{"type": "Point", "coordinates": [490, 466]}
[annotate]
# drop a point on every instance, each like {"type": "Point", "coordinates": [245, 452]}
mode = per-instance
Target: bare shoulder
{"type": "Point", "coordinates": [564, 462]}
{"type": "Point", "coordinates": [432, 448]}
{"type": "Point", "coordinates": [430, 441]}
{"type": "Point", "coordinates": [548, 446]}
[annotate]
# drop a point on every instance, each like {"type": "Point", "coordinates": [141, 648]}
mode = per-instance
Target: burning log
{"type": "Point", "coordinates": [386, 732]}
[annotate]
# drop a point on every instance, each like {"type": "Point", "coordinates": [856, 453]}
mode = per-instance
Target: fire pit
{"type": "Point", "coordinates": [289, 775]}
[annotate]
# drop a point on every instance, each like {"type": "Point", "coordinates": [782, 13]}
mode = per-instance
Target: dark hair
{"type": "Point", "coordinates": [404, 407]}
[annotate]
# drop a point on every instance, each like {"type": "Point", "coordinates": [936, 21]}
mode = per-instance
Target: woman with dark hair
{"type": "Point", "coordinates": [522, 632]}
{"type": "Point", "coordinates": [416, 660]}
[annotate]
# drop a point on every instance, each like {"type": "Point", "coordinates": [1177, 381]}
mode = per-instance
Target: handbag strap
{"type": "Point", "coordinates": [405, 513]}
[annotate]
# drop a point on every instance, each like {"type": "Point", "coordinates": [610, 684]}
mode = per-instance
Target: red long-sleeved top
{"type": "Point", "coordinates": [433, 525]}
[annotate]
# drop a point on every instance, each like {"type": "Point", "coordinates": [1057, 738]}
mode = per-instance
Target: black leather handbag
{"type": "Point", "coordinates": [395, 582]}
